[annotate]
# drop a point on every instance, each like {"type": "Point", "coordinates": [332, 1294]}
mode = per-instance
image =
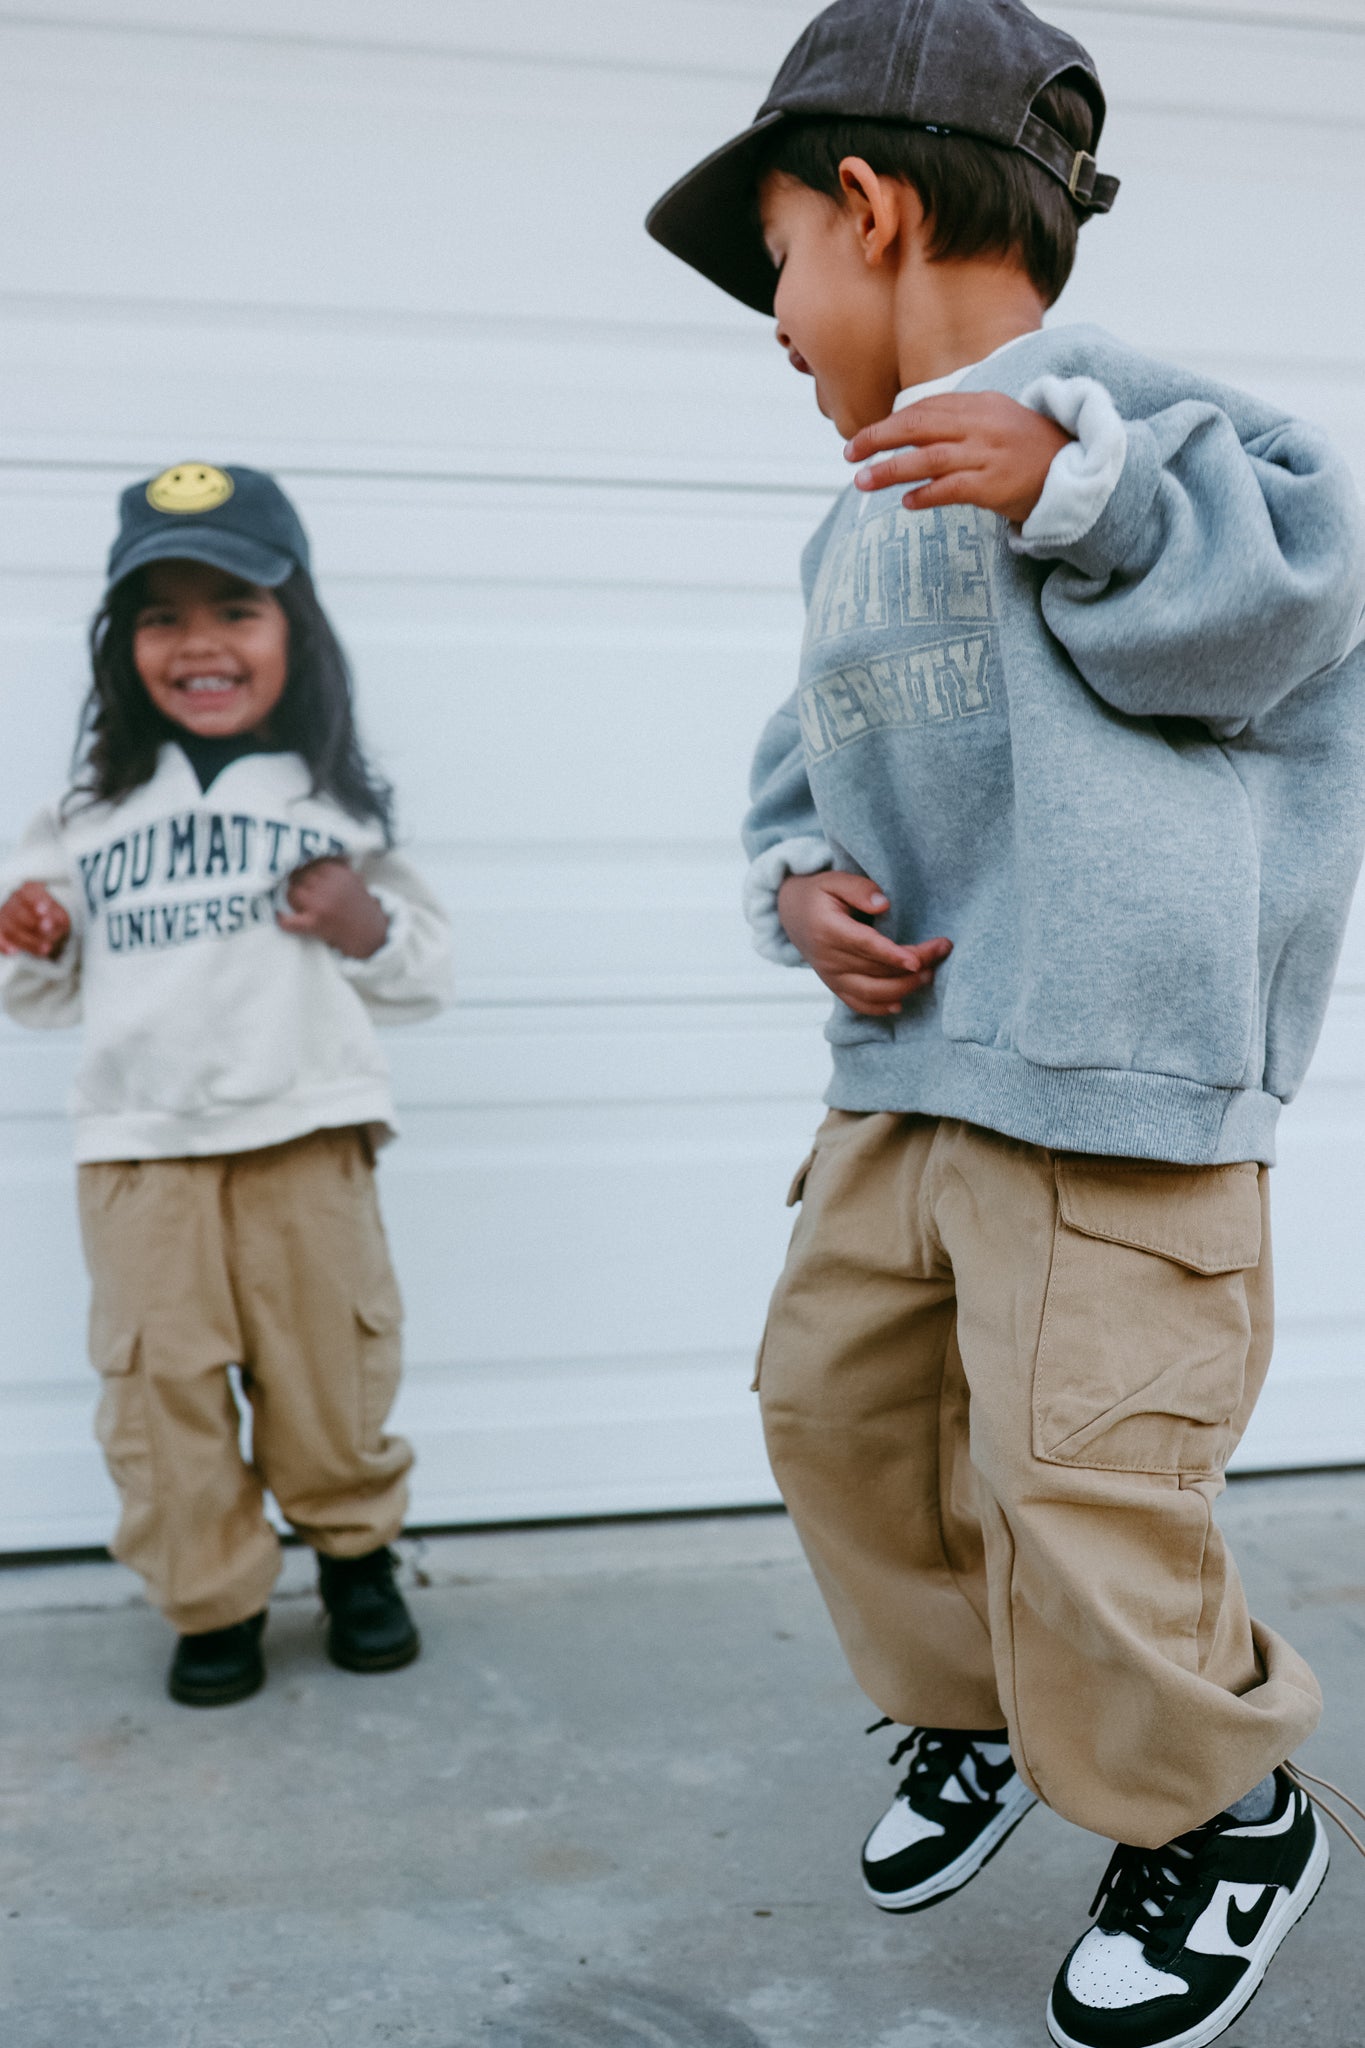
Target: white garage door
{"type": "Point", "coordinates": [557, 490]}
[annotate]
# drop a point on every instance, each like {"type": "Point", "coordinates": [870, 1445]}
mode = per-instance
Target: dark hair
{"type": "Point", "coordinates": [121, 729]}
{"type": "Point", "coordinates": [980, 198]}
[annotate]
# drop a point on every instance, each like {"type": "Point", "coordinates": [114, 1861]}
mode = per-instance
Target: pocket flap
{"type": "Point", "coordinates": [112, 1352]}
{"type": "Point", "coordinates": [1207, 1218]}
{"type": "Point", "coordinates": [798, 1186]}
{"type": "Point", "coordinates": [380, 1318]}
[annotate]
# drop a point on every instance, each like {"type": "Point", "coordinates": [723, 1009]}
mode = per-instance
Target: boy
{"type": "Point", "coordinates": [1085, 704]}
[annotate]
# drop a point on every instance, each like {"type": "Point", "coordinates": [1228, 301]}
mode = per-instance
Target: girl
{"type": "Point", "coordinates": [218, 899]}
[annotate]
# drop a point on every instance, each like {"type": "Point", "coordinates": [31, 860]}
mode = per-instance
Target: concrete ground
{"type": "Point", "coordinates": [617, 1804]}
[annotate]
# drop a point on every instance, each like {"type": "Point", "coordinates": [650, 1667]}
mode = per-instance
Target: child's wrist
{"type": "Point", "coordinates": [366, 942]}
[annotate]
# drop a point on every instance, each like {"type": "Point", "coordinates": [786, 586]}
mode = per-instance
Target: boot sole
{"type": "Point", "coordinates": [216, 1695]}
{"type": "Point", "coordinates": [380, 1660]}
{"type": "Point", "coordinates": [957, 1875]}
{"type": "Point", "coordinates": [1261, 1955]}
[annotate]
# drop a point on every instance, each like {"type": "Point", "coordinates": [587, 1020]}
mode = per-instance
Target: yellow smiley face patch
{"type": "Point", "coordinates": [189, 487]}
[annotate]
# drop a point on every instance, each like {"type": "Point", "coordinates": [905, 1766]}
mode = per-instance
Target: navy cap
{"type": "Point", "coordinates": [966, 67]}
{"type": "Point", "coordinates": [238, 520]}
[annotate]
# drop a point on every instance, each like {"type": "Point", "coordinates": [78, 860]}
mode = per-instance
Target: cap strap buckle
{"type": "Point", "coordinates": [1075, 168]}
{"type": "Point", "coordinates": [1081, 182]}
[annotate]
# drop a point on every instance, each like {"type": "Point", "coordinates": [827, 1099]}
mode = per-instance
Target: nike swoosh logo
{"type": "Point", "coordinates": [993, 1778]}
{"type": "Point", "coordinates": [1243, 1928]}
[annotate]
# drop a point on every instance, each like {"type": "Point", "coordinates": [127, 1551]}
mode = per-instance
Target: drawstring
{"type": "Point", "coordinates": [1303, 1779]}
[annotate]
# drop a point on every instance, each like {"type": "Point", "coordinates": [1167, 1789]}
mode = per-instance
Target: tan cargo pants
{"type": "Point", "coordinates": [274, 1261]}
{"type": "Point", "coordinates": [1000, 1386]}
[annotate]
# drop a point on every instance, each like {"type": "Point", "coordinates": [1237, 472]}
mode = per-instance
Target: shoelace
{"type": "Point", "coordinates": [936, 1754]}
{"type": "Point", "coordinates": [1303, 1779]}
{"type": "Point", "coordinates": [1141, 1886]}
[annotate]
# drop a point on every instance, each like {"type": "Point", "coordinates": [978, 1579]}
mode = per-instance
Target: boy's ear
{"type": "Point", "coordinates": [878, 207]}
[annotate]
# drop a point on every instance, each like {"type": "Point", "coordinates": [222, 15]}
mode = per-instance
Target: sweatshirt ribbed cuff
{"type": "Point", "coordinates": [36, 967]}
{"type": "Point", "coordinates": [810, 856]}
{"type": "Point", "coordinates": [1084, 475]}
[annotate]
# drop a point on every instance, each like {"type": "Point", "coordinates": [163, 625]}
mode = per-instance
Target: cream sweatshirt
{"type": "Point", "coordinates": [207, 1028]}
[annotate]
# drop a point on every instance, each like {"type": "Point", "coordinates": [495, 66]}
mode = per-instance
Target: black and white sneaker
{"type": "Point", "coordinates": [1186, 1933]}
{"type": "Point", "coordinates": [957, 1802]}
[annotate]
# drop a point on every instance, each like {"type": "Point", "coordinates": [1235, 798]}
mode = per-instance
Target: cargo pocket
{"type": "Point", "coordinates": [794, 1195]}
{"type": "Point", "coordinates": [1146, 1328]}
{"type": "Point", "coordinates": [121, 1414]}
{"type": "Point", "coordinates": [379, 1332]}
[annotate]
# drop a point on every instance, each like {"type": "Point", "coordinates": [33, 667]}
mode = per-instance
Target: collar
{"type": "Point", "coordinates": [209, 757]}
{"type": "Point", "coordinates": [934, 385]}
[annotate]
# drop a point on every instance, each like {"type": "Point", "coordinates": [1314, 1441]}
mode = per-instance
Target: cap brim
{"type": "Point", "coordinates": [710, 218]}
{"type": "Point", "coordinates": [232, 552]}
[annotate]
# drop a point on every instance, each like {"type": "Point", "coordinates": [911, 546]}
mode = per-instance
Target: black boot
{"type": "Point", "coordinates": [369, 1627]}
{"type": "Point", "coordinates": [219, 1667]}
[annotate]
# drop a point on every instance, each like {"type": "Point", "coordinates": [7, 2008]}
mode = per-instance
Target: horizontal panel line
{"type": "Point", "coordinates": [665, 69]}
{"type": "Point", "coordinates": [1221, 17]}
{"type": "Point", "coordinates": [757, 999]}
{"type": "Point", "coordinates": [721, 1000]}
{"type": "Point", "coordinates": [504, 1106]}
{"type": "Point", "coordinates": [515, 479]}
{"type": "Point", "coordinates": [1320, 1326]}
{"type": "Point", "coordinates": [531, 852]}
{"type": "Point", "coordinates": [776, 585]}
{"type": "Point", "coordinates": [457, 1104]}
{"type": "Point", "coordinates": [81, 309]}
{"type": "Point", "coordinates": [1136, 11]}
{"type": "Point", "coordinates": [74, 1389]}
{"type": "Point", "coordinates": [711, 1359]}
{"type": "Point", "coordinates": [214, 314]}
{"type": "Point", "coordinates": [1245, 363]}
{"type": "Point", "coordinates": [700, 587]}
{"type": "Point", "coordinates": [370, 46]}
{"type": "Point", "coordinates": [532, 1005]}
{"type": "Point", "coordinates": [696, 1020]}
{"type": "Point", "coordinates": [461, 1101]}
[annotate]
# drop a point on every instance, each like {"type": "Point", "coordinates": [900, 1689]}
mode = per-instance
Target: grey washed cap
{"type": "Point", "coordinates": [235, 519]}
{"type": "Point", "coordinates": [971, 67]}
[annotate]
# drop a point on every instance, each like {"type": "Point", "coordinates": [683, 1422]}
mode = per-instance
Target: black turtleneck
{"type": "Point", "coordinates": [209, 757]}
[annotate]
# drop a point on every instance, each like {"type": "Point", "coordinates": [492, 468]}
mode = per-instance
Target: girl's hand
{"type": "Point", "coordinates": [33, 921]}
{"type": "Point", "coordinates": [328, 901]}
{"type": "Point", "coordinates": [963, 448]}
{"type": "Point", "coordinates": [823, 916]}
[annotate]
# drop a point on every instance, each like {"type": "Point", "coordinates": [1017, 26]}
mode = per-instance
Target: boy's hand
{"type": "Point", "coordinates": [974, 447]}
{"type": "Point", "coordinates": [328, 901]}
{"type": "Point", "coordinates": [33, 921]}
{"type": "Point", "coordinates": [823, 917]}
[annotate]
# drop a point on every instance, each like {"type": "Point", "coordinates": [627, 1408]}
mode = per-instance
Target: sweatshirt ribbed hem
{"type": "Point", "coordinates": [152, 1134]}
{"type": "Point", "coordinates": [1115, 1112]}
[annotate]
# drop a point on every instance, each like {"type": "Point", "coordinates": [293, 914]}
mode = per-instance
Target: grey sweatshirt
{"type": "Point", "coordinates": [1118, 758]}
